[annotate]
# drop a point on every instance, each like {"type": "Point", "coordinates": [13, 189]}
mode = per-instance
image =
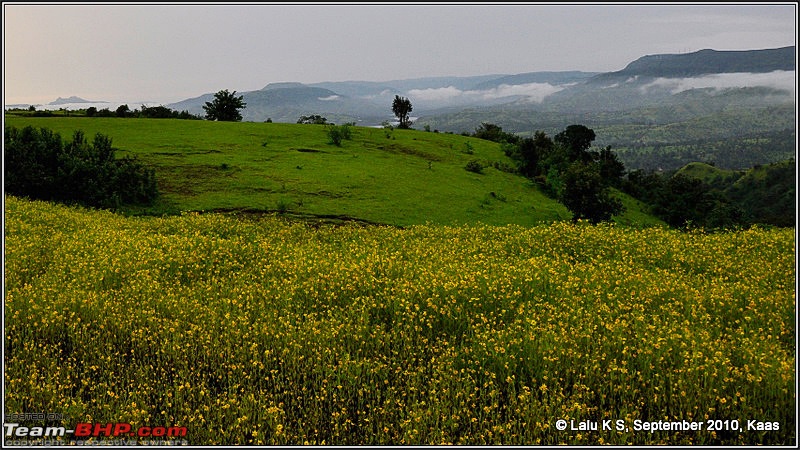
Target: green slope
{"type": "Point", "coordinates": [766, 193]}
{"type": "Point", "coordinates": [399, 177]}
{"type": "Point", "coordinates": [713, 176]}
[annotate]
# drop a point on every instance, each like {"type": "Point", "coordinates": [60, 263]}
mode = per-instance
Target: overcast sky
{"type": "Point", "coordinates": [171, 52]}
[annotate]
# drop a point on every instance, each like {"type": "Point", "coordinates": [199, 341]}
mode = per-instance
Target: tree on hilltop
{"type": "Point", "coordinates": [401, 108]}
{"type": "Point", "coordinates": [225, 107]}
{"type": "Point", "coordinates": [124, 111]}
{"type": "Point", "coordinates": [314, 119]}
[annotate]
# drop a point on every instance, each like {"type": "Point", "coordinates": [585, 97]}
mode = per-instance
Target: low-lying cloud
{"type": "Point", "coordinates": [533, 92]}
{"type": "Point", "coordinates": [781, 79]}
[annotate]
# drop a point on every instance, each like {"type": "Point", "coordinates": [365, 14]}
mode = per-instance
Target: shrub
{"type": "Point", "coordinates": [504, 167]}
{"type": "Point", "coordinates": [339, 133]}
{"type": "Point", "coordinates": [346, 130]}
{"type": "Point", "coordinates": [162, 112]}
{"type": "Point", "coordinates": [105, 112]}
{"type": "Point", "coordinates": [474, 166]}
{"type": "Point", "coordinates": [335, 136]}
{"type": "Point", "coordinates": [40, 166]}
{"type": "Point", "coordinates": [313, 119]}
{"type": "Point", "coordinates": [157, 112]}
{"type": "Point", "coordinates": [283, 206]}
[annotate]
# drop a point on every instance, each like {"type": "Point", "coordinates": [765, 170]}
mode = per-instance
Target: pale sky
{"type": "Point", "coordinates": [161, 52]}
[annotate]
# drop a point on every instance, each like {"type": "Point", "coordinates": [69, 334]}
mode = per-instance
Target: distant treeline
{"type": "Point", "coordinates": [124, 111]}
{"type": "Point", "coordinates": [569, 170]}
{"type": "Point", "coordinates": [731, 153]}
{"type": "Point", "coordinates": [762, 195]}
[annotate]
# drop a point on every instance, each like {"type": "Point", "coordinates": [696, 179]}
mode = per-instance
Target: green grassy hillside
{"type": "Point", "coordinates": [713, 176]}
{"type": "Point", "coordinates": [736, 129]}
{"type": "Point", "coordinates": [399, 177]}
{"type": "Point", "coordinates": [766, 193]}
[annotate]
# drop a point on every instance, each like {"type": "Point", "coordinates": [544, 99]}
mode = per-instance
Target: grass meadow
{"type": "Point", "coordinates": [260, 330]}
{"type": "Point", "coordinates": [398, 177]}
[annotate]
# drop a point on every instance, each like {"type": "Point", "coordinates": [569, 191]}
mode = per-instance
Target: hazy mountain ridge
{"type": "Point", "coordinates": [369, 102]}
{"type": "Point", "coordinates": [73, 99]}
{"type": "Point", "coordinates": [656, 100]}
{"type": "Point", "coordinates": [650, 80]}
{"type": "Point", "coordinates": [705, 62]}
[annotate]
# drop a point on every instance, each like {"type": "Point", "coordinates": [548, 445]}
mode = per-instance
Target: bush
{"type": "Point", "coordinates": [314, 119]}
{"type": "Point", "coordinates": [494, 133]}
{"type": "Point", "coordinates": [339, 133]}
{"type": "Point", "coordinates": [505, 167]}
{"type": "Point", "coordinates": [40, 166]}
{"type": "Point", "coordinates": [156, 112]}
{"type": "Point", "coordinates": [162, 112]}
{"type": "Point", "coordinates": [105, 112]}
{"type": "Point", "coordinates": [283, 206]}
{"type": "Point", "coordinates": [347, 131]}
{"type": "Point", "coordinates": [468, 149]}
{"type": "Point", "coordinates": [335, 136]}
{"type": "Point", "coordinates": [474, 166]}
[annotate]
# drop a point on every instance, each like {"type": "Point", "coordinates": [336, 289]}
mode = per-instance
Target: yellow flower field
{"type": "Point", "coordinates": [263, 331]}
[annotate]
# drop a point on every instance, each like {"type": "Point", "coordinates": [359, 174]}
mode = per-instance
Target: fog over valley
{"type": "Point", "coordinates": [451, 96]}
{"type": "Point", "coordinates": [783, 80]}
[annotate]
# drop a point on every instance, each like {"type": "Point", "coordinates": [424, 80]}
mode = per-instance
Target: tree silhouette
{"type": "Point", "coordinates": [578, 139]}
{"type": "Point", "coordinates": [586, 195]}
{"type": "Point", "coordinates": [225, 107]}
{"type": "Point", "coordinates": [401, 108]}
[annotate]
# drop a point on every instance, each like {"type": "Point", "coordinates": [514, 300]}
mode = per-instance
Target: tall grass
{"type": "Point", "coordinates": [263, 331]}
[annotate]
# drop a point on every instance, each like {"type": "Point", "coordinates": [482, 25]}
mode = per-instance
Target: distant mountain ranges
{"type": "Point", "coordinates": [733, 109]}
{"type": "Point", "coordinates": [73, 99]}
{"type": "Point", "coordinates": [64, 102]}
{"type": "Point", "coordinates": [650, 80]}
{"type": "Point", "coordinates": [706, 62]}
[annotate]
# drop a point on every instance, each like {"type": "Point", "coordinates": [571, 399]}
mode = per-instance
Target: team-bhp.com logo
{"type": "Point", "coordinates": [93, 430]}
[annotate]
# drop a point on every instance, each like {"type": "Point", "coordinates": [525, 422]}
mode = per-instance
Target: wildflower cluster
{"type": "Point", "coordinates": [271, 332]}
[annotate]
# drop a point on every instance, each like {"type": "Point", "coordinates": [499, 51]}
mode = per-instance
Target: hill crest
{"type": "Point", "coordinates": [369, 103]}
{"type": "Point", "coordinates": [708, 61]}
{"type": "Point", "coordinates": [72, 99]}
